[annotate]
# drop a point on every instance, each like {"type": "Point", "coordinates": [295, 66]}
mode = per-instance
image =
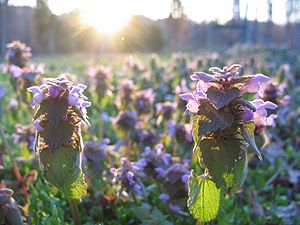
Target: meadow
{"type": "Point", "coordinates": [138, 144]}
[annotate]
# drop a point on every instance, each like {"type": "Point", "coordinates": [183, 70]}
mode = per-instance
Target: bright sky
{"type": "Point", "coordinates": [197, 10]}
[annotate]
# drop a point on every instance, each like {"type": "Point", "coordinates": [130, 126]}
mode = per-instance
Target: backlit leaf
{"type": "Point", "coordinates": [248, 133]}
{"type": "Point", "coordinates": [219, 157]}
{"type": "Point", "coordinates": [204, 198]}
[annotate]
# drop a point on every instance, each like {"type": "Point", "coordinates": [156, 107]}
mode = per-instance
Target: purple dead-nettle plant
{"type": "Point", "coordinates": [9, 210]}
{"type": "Point", "coordinates": [128, 177]}
{"type": "Point", "coordinates": [94, 155]}
{"type": "Point", "coordinates": [126, 95]}
{"type": "Point", "coordinates": [165, 111]}
{"type": "Point", "coordinates": [143, 101]}
{"type": "Point", "coordinates": [24, 134]}
{"type": "Point", "coordinates": [180, 132]}
{"type": "Point", "coordinates": [146, 137]}
{"type": "Point", "coordinates": [58, 120]}
{"type": "Point", "coordinates": [17, 54]}
{"type": "Point", "coordinates": [223, 128]}
{"type": "Point", "coordinates": [176, 186]}
{"type": "Point", "coordinates": [156, 162]}
{"type": "Point", "coordinates": [101, 78]}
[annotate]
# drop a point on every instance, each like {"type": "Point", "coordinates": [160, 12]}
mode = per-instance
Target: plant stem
{"type": "Point", "coordinates": [74, 211]}
{"type": "Point", "coordinates": [14, 163]}
{"type": "Point", "coordinates": [101, 125]}
{"type": "Point", "coordinates": [200, 223]}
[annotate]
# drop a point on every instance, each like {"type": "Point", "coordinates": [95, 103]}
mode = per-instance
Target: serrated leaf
{"type": "Point", "coordinates": [236, 179]}
{"type": "Point", "coordinates": [248, 133]}
{"type": "Point", "coordinates": [211, 120]}
{"type": "Point", "coordinates": [62, 169]}
{"type": "Point", "coordinates": [78, 189]}
{"type": "Point", "coordinates": [204, 198]}
{"type": "Point", "coordinates": [219, 99]}
{"type": "Point", "coordinates": [56, 136]}
{"type": "Point", "coordinates": [219, 157]}
{"type": "Point", "coordinates": [195, 128]}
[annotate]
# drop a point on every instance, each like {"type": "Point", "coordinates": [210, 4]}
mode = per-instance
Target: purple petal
{"type": "Point", "coordinates": [38, 126]}
{"type": "Point", "coordinates": [164, 197]}
{"type": "Point", "coordinates": [34, 89]}
{"type": "Point", "coordinates": [53, 91]}
{"type": "Point", "coordinates": [260, 78]}
{"type": "Point", "coordinates": [247, 116]}
{"type": "Point", "coordinates": [202, 76]}
{"type": "Point", "coordinates": [187, 96]}
{"type": "Point", "coordinates": [269, 105]}
{"type": "Point", "coordinates": [215, 70]}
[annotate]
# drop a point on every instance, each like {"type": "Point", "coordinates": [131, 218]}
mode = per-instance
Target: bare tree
{"type": "Point", "coordinates": [3, 25]}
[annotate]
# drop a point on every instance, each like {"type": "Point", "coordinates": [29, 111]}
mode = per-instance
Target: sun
{"type": "Point", "coordinates": [106, 16]}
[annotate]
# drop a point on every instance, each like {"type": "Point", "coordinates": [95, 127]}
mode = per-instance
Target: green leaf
{"type": "Point", "coordinates": [56, 136]}
{"type": "Point", "coordinates": [236, 179]}
{"type": "Point", "coordinates": [219, 157]}
{"type": "Point", "coordinates": [211, 119]}
{"type": "Point", "coordinates": [248, 133]}
{"type": "Point", "coordinates": [62, 169]}
{"type": "Point", "coordinates": [219, 99]}
{"type": "Point", "coordinates": [78, 189]}
{"type": "Point", "coordinates": [204, 198]}
{"type": "Point", "coordinates": [195, 128]}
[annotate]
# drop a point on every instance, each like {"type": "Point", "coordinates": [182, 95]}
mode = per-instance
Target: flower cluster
{"type": "Point", "coordinates": [143, 101]}
{"type": "Point", "coordinates": [93, 156]}
{"type": "Point", "coordinates": [58, 89]}
{"type": "Point", "coordinates": [156, 162]}
{"type": "Point", "coordinates": [128, 176]}
{"type": "Point", "coordinates": [181, 132]}
{"type": "Point", "coordinates": [101, 78]}
{"type": "Point", "coordinates": [126, 94]}
{"type": "Point", "coordinates": [225, 87]}
{"type": "Point", "coordinates": [17, 54]}
{"type": "Point", "coordinates": [166, 109]}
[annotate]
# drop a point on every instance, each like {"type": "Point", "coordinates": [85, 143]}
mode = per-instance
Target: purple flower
{"type": "Point", "coordinates": [53, 91]}
{"type": "Point", "coordinates": [164, 197]}
{"type": "Point", "coordinates": [161, 173]}
{"type": "Point", "coordinates": [253, 85]}
{"type": "Point", "coordinates": [193, 102]}
{"type": "Point", "coordinates": [15, 71]}
{"type": "Point", "coordinates": [38, 126]}
{"type": "Point", "coordinates": [247, 115]}
{"type": "Point", "coordinates": [128, 176]}
{"type": "Point", "coordinates": [38, 96]}
{"type": "Point", "coordinates": [176, 208]}
{"type": "Point", "coordinates": [260, 115]}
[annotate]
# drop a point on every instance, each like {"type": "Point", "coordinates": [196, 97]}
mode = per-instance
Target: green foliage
{"type": "Point", "coordinates": [62, 169]}
{"type": "Point", "coordinates": [220, 156]}
{"type": "Point", "coordinates": [248, 133]}
{"type": "Point", "coordinates": [204, 198]}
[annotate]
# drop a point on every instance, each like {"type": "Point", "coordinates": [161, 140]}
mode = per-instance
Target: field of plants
{"type": "Point", "coordinates": [181, 138]}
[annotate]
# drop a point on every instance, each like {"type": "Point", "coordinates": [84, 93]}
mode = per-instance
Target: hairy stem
{"type": "Point", "coordinates": [74, 211]}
